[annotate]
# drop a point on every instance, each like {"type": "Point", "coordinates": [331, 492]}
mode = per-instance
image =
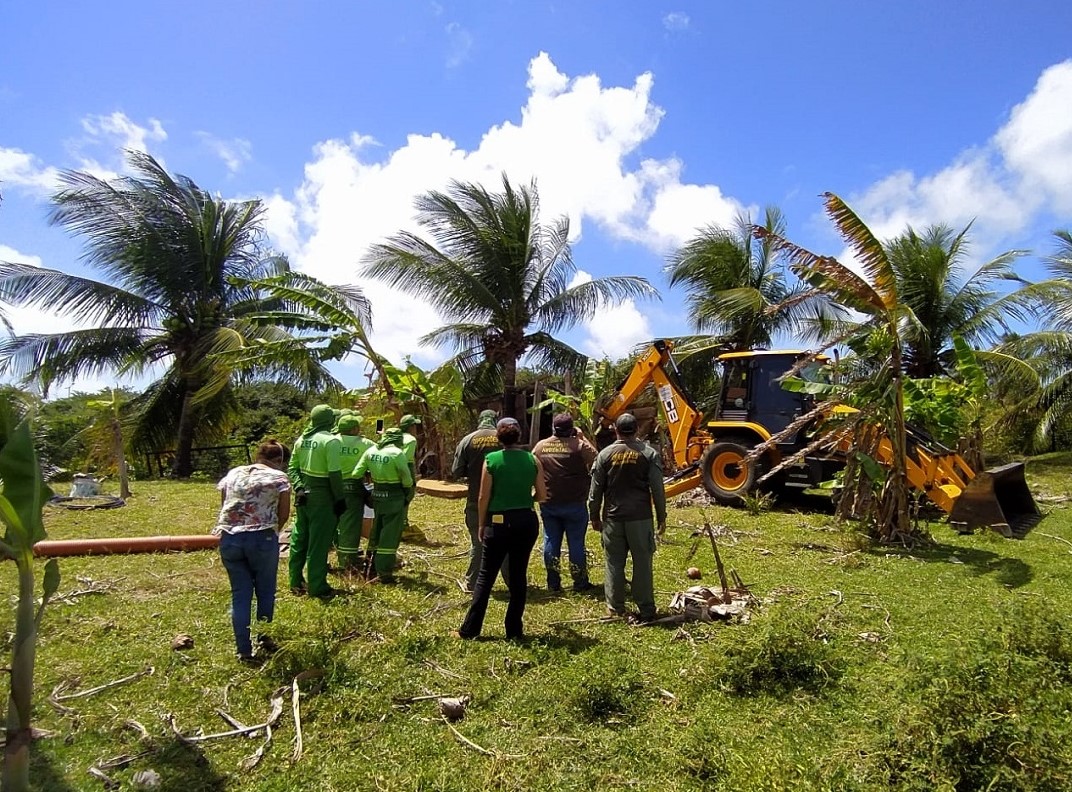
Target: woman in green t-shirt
{"type": "Point", "coordinates": [508, 527]}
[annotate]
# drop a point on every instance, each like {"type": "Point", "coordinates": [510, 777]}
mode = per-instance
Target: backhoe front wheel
{"type": "Point", "coordinates": [726, 474]}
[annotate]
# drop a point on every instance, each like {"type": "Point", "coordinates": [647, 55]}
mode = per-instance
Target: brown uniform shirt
{"type": "Point", "coordinates": [566, 462]}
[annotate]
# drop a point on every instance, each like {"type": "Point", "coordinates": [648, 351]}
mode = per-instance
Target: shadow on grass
{"type": "Point", "coordinates": [1010, 572]}
{"type": "Point", "coordinates": [44, 775]}
{"type": "Point", "coordinates": [183, 768]}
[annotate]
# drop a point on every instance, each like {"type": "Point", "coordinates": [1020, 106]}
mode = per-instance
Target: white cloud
{"type": "Point", "coordinates": [615, 329]}
{"type": "Point", "coordinates": [574, 136]}
{"type": "Point", "coordinates": [234, 153]}
{"type": "Point", "coordinates": [22, 169]}
{"type": "Point", "coordinates": [459, 44]}
{"type": "Point", "coordinates": [1021, 171]}
{"type": "Point", "coordinates": [676, 21]}
{"type": "Point", "coordinates": [1037, 140]}
{"type": "Point", "coordinates": [100, 151]}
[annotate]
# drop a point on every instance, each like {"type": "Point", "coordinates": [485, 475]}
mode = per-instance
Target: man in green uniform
{"type": "Point", "coordinates": [353, 448]}
{"type": "Point", "coordinates": [468, 464]}
{"type": "Point", "coordinates": [316, 474]}
{"type": "Point", "coordinates": [392, 489]}
{"type": "Point", "coordinates": [627, 479]}
{"type": "Point", "coordinates": [410, 533]}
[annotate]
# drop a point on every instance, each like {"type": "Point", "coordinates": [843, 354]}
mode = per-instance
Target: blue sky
{"type": "Point", "coordinates": [640, 120]}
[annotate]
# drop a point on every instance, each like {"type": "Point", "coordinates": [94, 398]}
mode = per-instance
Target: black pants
{"type": "Point", "coordinates": [514, 537]}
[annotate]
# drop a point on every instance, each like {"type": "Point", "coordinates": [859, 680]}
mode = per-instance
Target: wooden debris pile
{"type": "Point", "coordinates": [700, 603]}
{"type": "Point", "coordinates": [706, 603]}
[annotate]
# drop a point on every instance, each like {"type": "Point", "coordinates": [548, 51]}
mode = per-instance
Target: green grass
{"type": "Point", "coordinates": [943, 667]}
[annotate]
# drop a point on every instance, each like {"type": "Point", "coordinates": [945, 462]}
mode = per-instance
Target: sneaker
{"type": "Point", "coordinates": [267, 645]}
{"type": "Point", "coordinates": [247, 659]}
{"type": "Point", "coordinates": [582, 587]}
{"type": "Point", "coordinates": [298, 591]}
{"type": "Point", "coordinates": [617, 614]}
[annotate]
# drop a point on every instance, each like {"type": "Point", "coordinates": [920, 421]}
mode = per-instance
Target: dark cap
{"type": "Point", "coordinates": [626, 424]}
{"type": "Point", "coordinates": [562, 425]}
{"type": "Point", "coordinates": [508, 422]}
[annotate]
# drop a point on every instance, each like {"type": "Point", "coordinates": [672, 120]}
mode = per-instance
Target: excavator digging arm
{"type": "Point", "coordinates": [656, 368]}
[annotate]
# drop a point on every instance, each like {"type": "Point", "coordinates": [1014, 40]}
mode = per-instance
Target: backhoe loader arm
{"type": "Point", "coordinates": [656, 367]}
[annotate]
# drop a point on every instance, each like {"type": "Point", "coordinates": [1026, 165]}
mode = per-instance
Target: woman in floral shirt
{"type": "Point", "coordinates": [254, 506]}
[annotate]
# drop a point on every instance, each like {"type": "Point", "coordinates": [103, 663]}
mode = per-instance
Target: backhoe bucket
{"type": "Point", "coordinates": [997, 498]}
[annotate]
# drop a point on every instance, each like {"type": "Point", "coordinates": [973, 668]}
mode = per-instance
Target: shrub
{"type": "Point", "coordinates": [783, 650]}
{"type": "Point", "coordinates": [608, 692]}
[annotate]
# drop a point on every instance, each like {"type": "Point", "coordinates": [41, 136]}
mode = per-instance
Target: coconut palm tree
{"type": "Point", "coordinates": [945, 301]}
{"type": "Point", "coordinates": [739, 287]}
{"type": "Point", "coordinates": [871, 291]}
{"type": "Point", "coordinates": [177, 263]}
{"type": "Point", "coordinates": [499, 278]}
{"type": "Point", "coordinates": [1036, 367]}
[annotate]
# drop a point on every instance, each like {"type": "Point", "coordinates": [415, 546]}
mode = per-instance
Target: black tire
{"type": "Point", "coordinates": [725, 474]}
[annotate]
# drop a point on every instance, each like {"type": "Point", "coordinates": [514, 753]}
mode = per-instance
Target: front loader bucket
{"type": "Point", "coordinates": [997, 498]}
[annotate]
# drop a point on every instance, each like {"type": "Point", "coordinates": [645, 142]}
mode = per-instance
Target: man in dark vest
{"type": "Point", "coordinates": [627, 480]}
{"type": "Point", "coordinates": [468, 463]}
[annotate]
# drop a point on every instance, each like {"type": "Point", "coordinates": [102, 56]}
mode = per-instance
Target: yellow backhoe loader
{"type": "Point", "coordinates": [753, 407]}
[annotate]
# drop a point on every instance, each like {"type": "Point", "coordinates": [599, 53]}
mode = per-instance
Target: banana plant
{"type": "Point", "coordinates": [596, 384]}
{"type": "Point", "coordinates": [22, 495]}
{"type": "Point", "coordinates": [115, 432]}
{"type": "Point", "coordinates": [436, 396]}
{"type": "Point", "coordinates": [872, 290]}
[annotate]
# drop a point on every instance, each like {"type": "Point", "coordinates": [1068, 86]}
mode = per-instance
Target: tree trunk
{"type": "Point", "coordinates": [510, 386]}
{"type": "Point", "coordinates": [16, 775]}
{"type": "Point", "coordinates": [121, 459]}
{"type": "Point", "coordinates": [896, 522]}
{"type": "Point", "coordinates": [183, 465]}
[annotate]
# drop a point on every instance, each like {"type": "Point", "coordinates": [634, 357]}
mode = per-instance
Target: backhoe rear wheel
{"type": "Point", "coordinates": [726, 475]}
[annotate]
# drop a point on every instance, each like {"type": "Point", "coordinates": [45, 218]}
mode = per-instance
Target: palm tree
{"type": "Point", "coordinates": [738, 287]}
{"type": "Point", "coordinates": [944, 302]}
{"type": "Point", "coordinates": [872, 292]}
{"type": "Point", "coordinates": [1036, 368]}
{"type": "Point", "coordinates": [178, 262]}
{"type": "Point", "coordinates": [498, 277]}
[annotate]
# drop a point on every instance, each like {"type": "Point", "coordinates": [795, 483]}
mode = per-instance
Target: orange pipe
{"type": "Point", "coordinates": [135, 544]}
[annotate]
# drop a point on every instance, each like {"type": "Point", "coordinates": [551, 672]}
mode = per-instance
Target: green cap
{"type": "Point", "coordinates": [348, 423]}
{"type": "Point", "coordinates": [408, 420]}
{"type": "Point", "coordinates": [487, 419]}
{"type": "Point", "coordinates": [392, 436]}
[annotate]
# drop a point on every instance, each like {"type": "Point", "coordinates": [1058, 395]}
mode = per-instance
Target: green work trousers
{"type": "Point", "coordinates": [389, 504]}
{"type": "Point", "coordinates": [635, 538]}
{"type": "Point", "coordinates": [310, 541]}
{"type": "Point", "coordinates": [349, 544]}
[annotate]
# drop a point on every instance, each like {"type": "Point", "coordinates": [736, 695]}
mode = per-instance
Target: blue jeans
{"type": "Point", "coordinates": [251, 559]}
{"type": "Point", "coordinates": [569, 520]}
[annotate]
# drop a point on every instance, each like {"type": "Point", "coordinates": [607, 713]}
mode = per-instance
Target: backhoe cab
{"type": "Point", "coordinates": [753, 407]}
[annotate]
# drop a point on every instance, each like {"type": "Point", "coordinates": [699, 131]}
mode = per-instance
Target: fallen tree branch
{"type": "Point", "coordinates": [1058, 538]}
{"type": "Point", "coordinates": [254, 758]}
{"type": "Point", "coordinates": [121, 761]}
{"type": "Point", "coordinates": [133, 725]}
{"type": "Point", "coordinates": [205, 737]}
{"type": "Point", "coordinates": [91, 691]}
{"type": "Point", "coordinates": [233, 722]}
{"type": "Point", "coordinates": [479, 748]}
{"type": "Point", "coordinates": [96, 772]}
{"type": "Point", "coordinates": [589, 619]}
{"type": "Point", "coordinates": [296, 710]}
